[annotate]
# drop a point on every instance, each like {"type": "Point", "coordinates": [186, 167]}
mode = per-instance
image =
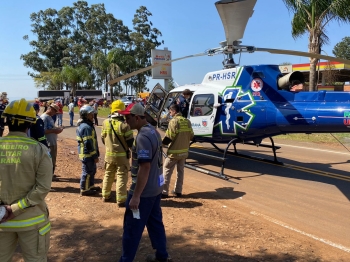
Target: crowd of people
{"type": "Point", "coordinates": [34, 142]}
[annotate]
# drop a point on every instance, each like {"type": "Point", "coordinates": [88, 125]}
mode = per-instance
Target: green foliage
{"type": "Point", "coordinates": [171, 84]}
{"type": "Point", "coordinates": [342, 49]}
{"type": "Point", "coordinates": [49, 80]}
{"type": "Point", "coordinates": [75, 75]}
{"type": "Point", "coordinates": [87, 36]}
{"type": "Point", "coordinates": [143, 39]}
{"type": "Point", "coordinates": [311, 16]}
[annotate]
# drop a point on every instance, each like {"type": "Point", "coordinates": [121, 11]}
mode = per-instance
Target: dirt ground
{"type": "Point", "coordinates": [200, 226]}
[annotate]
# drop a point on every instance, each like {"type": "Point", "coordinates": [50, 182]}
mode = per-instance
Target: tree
{"type": "Point", "coordinates": [313, 16]}
{"type": "Point", "coordinates": [75, 75]}
{"type": "Point", "coordinates": [171, 84]}
{"type": "Point", "coordinates": [143, 39]}
{"type": "Point", "coordinates": [71, 36]}
{"type": "Point", "coordinates": [342, 49]}
{"type": "Point", "coordinates": [106, 65]}
{"type": "Point", "coordinates": [49, 80]}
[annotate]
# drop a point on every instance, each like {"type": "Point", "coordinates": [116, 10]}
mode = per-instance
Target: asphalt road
{"type": "Point", "coordinates": [309, 194]}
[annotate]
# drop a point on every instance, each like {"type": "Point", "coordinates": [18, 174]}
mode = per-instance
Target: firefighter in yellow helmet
{"type": "Point", "coordinates": [25, 175]}
{"type": "Point", "coordinates": [117, 137]}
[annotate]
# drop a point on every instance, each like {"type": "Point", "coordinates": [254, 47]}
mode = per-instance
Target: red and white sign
{"type": "Point", "coordinates": [256, 85]}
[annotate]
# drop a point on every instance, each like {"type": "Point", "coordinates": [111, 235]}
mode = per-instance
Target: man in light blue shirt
{"type": "Point", "coordinates": [71, 112]}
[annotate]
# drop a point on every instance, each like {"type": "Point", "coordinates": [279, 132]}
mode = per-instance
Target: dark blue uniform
{"type": "Point", "coordinates": [3, 104]}
{"type": "Point", "coordinates": [184, 105]}
{"type": "Point", "coordinates": [37, 131]}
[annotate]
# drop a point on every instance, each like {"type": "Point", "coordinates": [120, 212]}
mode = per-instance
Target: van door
{"type": "Point", "coordinates": [155, 105]}
{"type": "Point", "coordinates": [202, 112]}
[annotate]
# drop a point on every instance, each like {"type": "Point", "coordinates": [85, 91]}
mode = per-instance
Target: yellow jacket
{"type": "Point", "coordinates": [180, 132]}
{"type": "Point", "coordinates": [25, 180]}
{"type": "Point", "coordinates": [114, 150]}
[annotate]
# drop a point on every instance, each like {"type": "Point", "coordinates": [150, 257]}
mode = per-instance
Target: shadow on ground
{"type": "Point", "coordinates": [90, 242]}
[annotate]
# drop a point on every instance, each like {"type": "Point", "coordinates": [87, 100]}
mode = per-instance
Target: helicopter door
{"type": "Point", "coordinates": [202, 113]}
{"type": "Point", "coordinates": [154, 106]}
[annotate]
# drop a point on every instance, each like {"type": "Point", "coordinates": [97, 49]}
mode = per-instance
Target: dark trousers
{"type": "Point", "coordinates": [151, 217]}
{"type": "Point", "coordinates": [2, 126]}
{"type": "Point", "coordinates": [96, 120]}
{"type": "Point", "coordinates": [87, 179]}
{"type": "Point", "coordinates": [71, 118]}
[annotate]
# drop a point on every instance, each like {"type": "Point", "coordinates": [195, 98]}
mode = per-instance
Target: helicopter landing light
{"type": "Point", "coordinates": [234, 15]}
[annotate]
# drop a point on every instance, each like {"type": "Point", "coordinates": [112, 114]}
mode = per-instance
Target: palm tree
{"type": "Point", "coordinates": [75, 75]}
{"type": "Point", "coordinates": [107, 67]}
{"type": "Point", "coordinates": [313, 16]}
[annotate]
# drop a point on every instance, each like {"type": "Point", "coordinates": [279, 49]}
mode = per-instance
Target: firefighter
{"type": "Point", "coordinates": [37, 130]}
{"type": "Point", "coordinates": [3, 103]}
{"type": "Point", "coordinates": [178, 137]}
{"type": "Point", "coordinates": [25, 175]}
{"type": "Point", "coordinates": [87, 150]}
{"type": "Point", "coordinates": [117, 137]}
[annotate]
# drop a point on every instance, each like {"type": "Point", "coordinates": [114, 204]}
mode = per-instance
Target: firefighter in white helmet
{"type": "Point", "coordinates": [88, 151]}
{"type": "Point", "coordinates": [25, 175]}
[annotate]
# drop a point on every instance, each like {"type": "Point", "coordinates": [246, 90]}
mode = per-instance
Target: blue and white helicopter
{"type": "Point", "coordinates": [245, 104]}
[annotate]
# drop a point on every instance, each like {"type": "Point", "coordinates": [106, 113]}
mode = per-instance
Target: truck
{"type": "Point", "coordinates": [45, 95]}
{"type": "Point", "coordinates": [106, 96]}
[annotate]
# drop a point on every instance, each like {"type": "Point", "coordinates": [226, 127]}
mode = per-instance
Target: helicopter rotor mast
{"type": "Point", "coordinates": [234, 15]}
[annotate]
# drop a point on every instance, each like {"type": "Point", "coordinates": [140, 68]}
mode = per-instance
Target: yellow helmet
{"type": "Point", "coordinates": [117, 105]}
{"type": "Point", "coordinates": [20, 110]}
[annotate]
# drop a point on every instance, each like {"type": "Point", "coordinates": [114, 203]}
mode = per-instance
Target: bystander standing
{"type": "Point", "coordinates": [143, 202]}
{"type": "Point", "coordinates": [51, 132]}
{"type": "Point", "coordinates": [71, 112]}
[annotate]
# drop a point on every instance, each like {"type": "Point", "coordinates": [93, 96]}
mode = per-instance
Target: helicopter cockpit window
{"type": "Point", "coordinates": [202, 105]}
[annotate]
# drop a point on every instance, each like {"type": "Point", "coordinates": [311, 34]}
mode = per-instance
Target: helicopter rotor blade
{"type": "Point", "coordinates": [118, 79]}
{"type": "Point", "coordinates": [305, 54]}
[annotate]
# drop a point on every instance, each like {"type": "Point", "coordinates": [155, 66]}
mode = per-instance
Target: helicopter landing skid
{"type": "Point", "coordinates": [272, 146]}
{"type": "Point", "coordinates": [209, 172]}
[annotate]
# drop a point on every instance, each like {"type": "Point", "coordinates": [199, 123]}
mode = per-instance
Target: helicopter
{"type": "Point", "coordinates": [246, 104]}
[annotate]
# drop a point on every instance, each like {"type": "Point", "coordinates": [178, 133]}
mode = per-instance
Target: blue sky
{"type": "Point", "coordinates": [188, 27]}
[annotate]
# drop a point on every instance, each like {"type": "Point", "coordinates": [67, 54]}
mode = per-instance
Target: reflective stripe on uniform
{"type": "Point", "coordinates": [178, 151]}
{"type": "Point", "coordinates": [22, 203]}
{"type": "Point", "coordinates": [86, 155]}
{"type": "Point", "coordinates": [23, 223]}
{"type": "Point", "coordinates": [43, 231]}
{"type": "Point", "coordinates": [16, 139]}
{"type": "Point", "coordinates": [115, 154]}
{"type": "Point", "coordinates": [41, 138]}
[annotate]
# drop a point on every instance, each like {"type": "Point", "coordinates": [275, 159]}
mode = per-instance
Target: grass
{"type": "Point", "coordinates": [102, 111]}
{"type": "Point", "coordinates": [318, 138]}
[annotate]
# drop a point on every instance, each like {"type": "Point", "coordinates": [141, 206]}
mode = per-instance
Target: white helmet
{"type": "Point", "coordinates": [85, 110]}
